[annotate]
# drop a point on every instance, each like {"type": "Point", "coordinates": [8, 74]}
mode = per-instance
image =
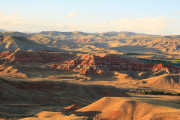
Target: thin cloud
{"type": "Point", "coordinates": [151, 25]}
{"type": "Point", "coordinates": [14, 22]}
{"type": "Point", "coordinates": [143, 25]}
{"type": "Point", "coordinates": [72, 14]}
{"type": "Point", "coordinates": [9, 21]}
{"type": "Point", "coordinates": [147, 25]}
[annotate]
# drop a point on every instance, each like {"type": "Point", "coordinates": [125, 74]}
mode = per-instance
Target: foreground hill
{"type": "Point", "coordinates": [26, 98]}
{"type": "Point", "coordinates": [115, 108]}
{"type": "Point", "coordinates": [127, 109]}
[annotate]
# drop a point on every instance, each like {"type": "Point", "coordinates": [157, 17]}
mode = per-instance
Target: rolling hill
{"type": "Point", "coordinates": [89, 76]}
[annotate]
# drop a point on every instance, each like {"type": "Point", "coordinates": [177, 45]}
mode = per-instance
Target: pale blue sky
{"type": "Point", "coordinates": [147, 16]}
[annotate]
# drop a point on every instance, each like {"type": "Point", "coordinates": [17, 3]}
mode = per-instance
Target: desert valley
{"type": "Point", "coordinates": [54, 75]}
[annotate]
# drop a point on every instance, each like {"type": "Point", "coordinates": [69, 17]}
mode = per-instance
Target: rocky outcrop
{"type": "Point", "coordinates": [82, 63]}
{"type": "Point", "coordinates": [86, 63]}
{"type": "Point", "coordinates": [93, 64]}
{"type": "Point", "coordinates": [160, 68]}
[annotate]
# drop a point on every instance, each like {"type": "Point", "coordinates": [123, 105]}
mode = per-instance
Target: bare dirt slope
{"type": "Point", "coordinates": [119, 108]}
{"type": "Point", "coordinates": [128, 109]}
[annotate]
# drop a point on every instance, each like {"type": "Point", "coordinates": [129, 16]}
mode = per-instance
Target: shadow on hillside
{"type": "Point", "coordinates": [92, 115]}
{"type": "Point", "coordinates": [27, 98]}
{"type": "Point", "coordinates": [157, 102]}
{"type": "Point", "coordinates": [21, 99]}
{"type": "Point", "coordinates": [135, 49]}
{"type": "Point", "coordinates": [104, 77]}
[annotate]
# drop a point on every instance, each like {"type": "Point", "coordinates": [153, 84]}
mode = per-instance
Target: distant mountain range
{"type": "Point", "coordinates": [109, 42]}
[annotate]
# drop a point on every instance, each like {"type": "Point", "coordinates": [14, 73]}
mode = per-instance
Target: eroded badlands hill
{"type": "Point", "coordinates": [60, 75]}
{"type": "Point", "coordinates": [44, 64]}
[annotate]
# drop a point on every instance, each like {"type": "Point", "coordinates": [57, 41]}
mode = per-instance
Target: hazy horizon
{"type": "Point", "coordinates": [91, 16]}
